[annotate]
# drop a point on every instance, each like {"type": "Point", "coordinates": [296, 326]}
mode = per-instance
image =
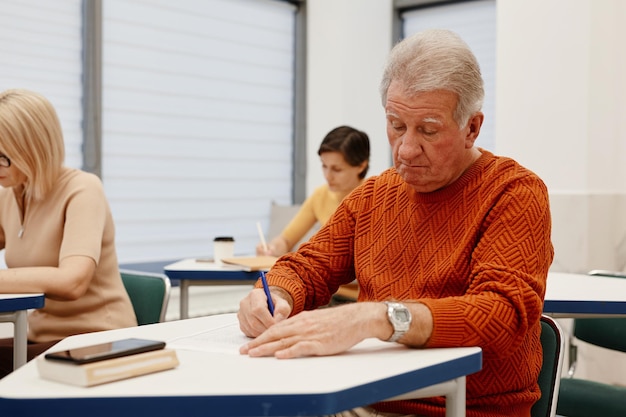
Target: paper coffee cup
{"type": "Point", "coordinates": [223, 247]}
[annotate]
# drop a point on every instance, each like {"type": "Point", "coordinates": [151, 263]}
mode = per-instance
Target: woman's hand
{"type": "Point", "coordinates": [260, 250]}
{"type": "Point", "coordinates": [276, 247]}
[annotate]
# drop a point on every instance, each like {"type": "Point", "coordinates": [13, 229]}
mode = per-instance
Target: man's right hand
{"type": "Point", "coordinates": [254, 315]}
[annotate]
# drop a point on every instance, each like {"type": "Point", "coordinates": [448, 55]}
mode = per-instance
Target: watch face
{"type": "Point", "coordinates": [402, 315]}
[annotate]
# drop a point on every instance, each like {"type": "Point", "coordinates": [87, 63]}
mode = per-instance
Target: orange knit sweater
{"type": "Point", "coordinates": [476, 253]}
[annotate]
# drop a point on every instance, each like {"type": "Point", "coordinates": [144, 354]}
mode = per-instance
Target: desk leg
{"type": "Point", "coordinates": [455, 399]}
{"type": "Point", "coordinates": [20, 338]}
{"type": "Point", "coordinates": [453, 390]}
{"type": "Point", "coordinates": [184, 299]}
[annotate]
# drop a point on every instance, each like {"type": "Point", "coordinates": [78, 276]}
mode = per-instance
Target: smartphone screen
{"type": "Point", "coordinates": [108, 350]}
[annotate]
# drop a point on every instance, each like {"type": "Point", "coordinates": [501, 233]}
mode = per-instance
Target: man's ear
{"type": "Point", "coordinates": [473, 128]}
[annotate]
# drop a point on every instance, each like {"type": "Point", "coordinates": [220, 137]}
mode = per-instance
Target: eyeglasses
{"type": "Point", "coordinates": [4, 161]}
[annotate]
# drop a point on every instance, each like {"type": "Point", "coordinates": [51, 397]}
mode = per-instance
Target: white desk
{"type": "Point", "coordinates": [191, 272]}
{"type": "Point", "coordinates": [223, 383]}
{"type": "Point", "coordinates": [14, 308]}
{"type": "Point", "coordinates": [567, 294]}
{"type": "Point", "coordinates": [581, 295]}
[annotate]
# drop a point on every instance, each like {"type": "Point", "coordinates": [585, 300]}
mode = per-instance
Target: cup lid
{"type": "Point", "coordinates": [224, 239]}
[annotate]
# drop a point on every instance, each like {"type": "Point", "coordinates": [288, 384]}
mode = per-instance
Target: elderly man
{"type": "Point", "coordinates": [450, 247]}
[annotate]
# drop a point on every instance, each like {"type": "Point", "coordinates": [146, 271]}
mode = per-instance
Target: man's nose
{"type": "Point", "coordinates": [410, 146]}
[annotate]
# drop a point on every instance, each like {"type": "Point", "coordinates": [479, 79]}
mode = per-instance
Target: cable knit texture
{"type": "Point", "coordinates": [476, 253]}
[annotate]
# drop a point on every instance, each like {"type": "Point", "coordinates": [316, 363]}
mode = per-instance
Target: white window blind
{"type": "Point", "coordinates": [197, 121]}
{"type": "Point", "coordinates": [475, 22]}
{"type": "Point", "coordinates": [41, 50]}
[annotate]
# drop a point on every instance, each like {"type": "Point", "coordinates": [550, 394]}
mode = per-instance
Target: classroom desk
{"type": "Point", "coordinates": [14, 308]}
{"type": "Point", "coordinates": [192, 272]}
{"type": "Point", "coordinates": [218, 381]}
{"type": "Point", "coordinates": [580, 295]}
{"type": "Point", "coordinates": [568, 295]}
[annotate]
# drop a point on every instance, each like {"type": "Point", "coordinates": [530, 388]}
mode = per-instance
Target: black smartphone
{"type": "Point", "coordinates": [104, 351]}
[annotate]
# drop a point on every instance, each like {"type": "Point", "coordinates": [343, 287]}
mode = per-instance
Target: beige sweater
{"type": "Point", "coordinates": [74, 219]}
{"type": "Point", "coordinates": [316, 208]}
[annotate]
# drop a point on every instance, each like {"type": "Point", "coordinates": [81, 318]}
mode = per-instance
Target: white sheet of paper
{"type": "Point", "coordinates": [224, 339]}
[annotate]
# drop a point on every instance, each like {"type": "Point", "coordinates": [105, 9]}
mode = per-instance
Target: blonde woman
{"type": "Point", "coordinates": [57, 231]}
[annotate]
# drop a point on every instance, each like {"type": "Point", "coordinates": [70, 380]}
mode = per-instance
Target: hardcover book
{"type": "Point", "coordinates": [100, 372]}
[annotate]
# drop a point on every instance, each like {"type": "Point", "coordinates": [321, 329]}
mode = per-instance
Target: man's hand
{"type": "Point", "coordinates": [320, 332]}
{"type": "Point", "coordinates": [254, 315]}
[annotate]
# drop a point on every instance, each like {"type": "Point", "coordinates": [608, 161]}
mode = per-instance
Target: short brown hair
{"type": "Point", "coordinates": [353, 144]}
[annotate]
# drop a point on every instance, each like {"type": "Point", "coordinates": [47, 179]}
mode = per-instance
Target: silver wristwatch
{"type": "Point", "coordinates": [400, 318]}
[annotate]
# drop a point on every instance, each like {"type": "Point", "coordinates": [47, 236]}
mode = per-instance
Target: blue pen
{"type": "Point", "coordinates": [266, 288]}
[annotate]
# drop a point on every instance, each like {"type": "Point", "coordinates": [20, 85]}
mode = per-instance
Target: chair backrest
{"type": "Point", "coordinates": [149, 294]}
{"type": "Point", "coordinates": [553, 345]}
{"type": "Point", "coordinates": [609, 333]}
{"type": "Point", "coordinates": [280, 216]}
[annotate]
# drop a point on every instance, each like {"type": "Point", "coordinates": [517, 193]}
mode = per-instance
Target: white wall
{"type": "Point", "coordinates": [572, 63]}
{"type": "Point", "coordinates": [348, 42]}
